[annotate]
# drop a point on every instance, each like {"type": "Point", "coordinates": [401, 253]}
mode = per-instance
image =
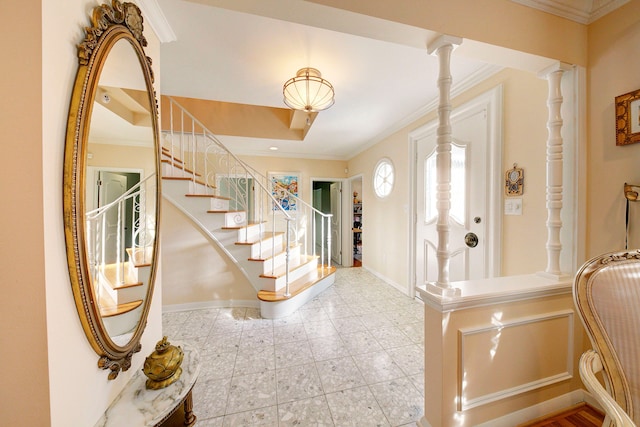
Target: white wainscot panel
{"type": "Point", "coordinates": [507, 358]}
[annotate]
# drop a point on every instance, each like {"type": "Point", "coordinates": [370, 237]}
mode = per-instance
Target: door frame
{"type": "Point", "coordinates": [492, 100]}
{"type": "Point", "coordinates": [343, 203]}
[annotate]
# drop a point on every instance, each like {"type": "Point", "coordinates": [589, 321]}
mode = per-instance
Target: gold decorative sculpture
{"type": "Point", "coordinates": [162, 367]}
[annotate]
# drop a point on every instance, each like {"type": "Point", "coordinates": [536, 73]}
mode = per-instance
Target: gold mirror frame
{"type": "Point", "coordinates": [110, 24]}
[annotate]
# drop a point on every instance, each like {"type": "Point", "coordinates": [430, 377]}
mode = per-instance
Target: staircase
{"type": "Point", "coordinates": [273, 244]}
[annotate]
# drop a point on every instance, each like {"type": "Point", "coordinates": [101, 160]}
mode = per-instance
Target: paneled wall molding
{"type": "Point", "coordinates": [443, 46]}
{"type": "Point", "coordinates": [471, 342]}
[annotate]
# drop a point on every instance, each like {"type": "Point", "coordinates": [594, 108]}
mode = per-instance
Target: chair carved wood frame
{"type": "Point", "coordinates": [606, 293]}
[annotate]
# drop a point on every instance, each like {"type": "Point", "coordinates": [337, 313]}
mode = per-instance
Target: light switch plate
{"type": "Point", "coordinates": [513, 206]}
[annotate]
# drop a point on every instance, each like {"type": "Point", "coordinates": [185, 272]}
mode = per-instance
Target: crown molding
{"type": "Point", "coordinates": [581, 11]}
{"type": "Point", "coordinates": [155, 17]}
{"type": "Point", "coordinates": [479, 76]}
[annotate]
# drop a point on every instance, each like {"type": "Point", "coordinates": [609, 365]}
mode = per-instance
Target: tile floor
{"type": "Point", "coordinates": [351, 357]}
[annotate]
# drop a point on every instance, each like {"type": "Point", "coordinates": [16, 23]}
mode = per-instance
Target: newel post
{"type": "Point", "coordinates": [442, 47]}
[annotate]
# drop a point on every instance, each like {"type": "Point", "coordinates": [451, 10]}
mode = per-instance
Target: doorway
{"type": "Point", "coordinates": [327, 198]}
{"type": "Point", "coordinates": [357, 220]}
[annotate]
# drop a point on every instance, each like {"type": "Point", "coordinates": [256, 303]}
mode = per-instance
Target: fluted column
{"type": "Point", "coordinates": [553, 76]}
{"type": "Point", "coordinates": [442, 47]}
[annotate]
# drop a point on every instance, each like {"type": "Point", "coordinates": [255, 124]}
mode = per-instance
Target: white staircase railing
{"type": "Point", "coordinates": [191, 152]}
{"type": "Point", "coordinates": [109, 222]}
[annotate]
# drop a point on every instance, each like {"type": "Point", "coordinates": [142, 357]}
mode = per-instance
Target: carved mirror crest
{"type": "Point", "coordinates": [111, 184]}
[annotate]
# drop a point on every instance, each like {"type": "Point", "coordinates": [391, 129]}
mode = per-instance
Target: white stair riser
{"type": "Point", "coordinates": [235, 219]}
{"type": "Point", "coordinates": [309, 268]}
{"type": "Point", "coordinates": [122, 323]}
{"type": "Point", "coordinates": [177, 189]}
{"type": "Point", "coordinates": [268, 247]}
{"type": "Point", "coordinates": [279, 260]}
{"type": "Point", "coordinates": [278, 309]}
{"type": "Point", "coordinates": [250, 232]}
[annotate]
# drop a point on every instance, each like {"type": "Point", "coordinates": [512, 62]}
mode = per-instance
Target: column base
{"type": "Point", "coordinates": [443, 290]}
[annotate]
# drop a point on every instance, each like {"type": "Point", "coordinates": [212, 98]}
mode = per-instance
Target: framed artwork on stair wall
{"type": "Point", "coordinates": [284, 184]}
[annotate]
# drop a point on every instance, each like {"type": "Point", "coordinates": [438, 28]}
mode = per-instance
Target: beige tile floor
{"type": "Point", "coordinates": [351, 357]}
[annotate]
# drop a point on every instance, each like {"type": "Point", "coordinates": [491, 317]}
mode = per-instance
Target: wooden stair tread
{"type": "Point", "coordinates": [240, 227]}
{"type": "Point", "coordinates": [266, 259]}
{"type": "Point", "coordinates": [222, 211]}
{"type": "Point", "coordinates": [297, 286]}
{"type": "Point", "coordinates": [110, 310]}
{"type": "Point", "coordinates": [211, 196]}
{"type": "Point", "coordinates": [186, 178]}
{"type": "Point", "coordinates": [110, 273]}
{"type": "Point", "coordinates": [263, 237]}
{"type": "Point", "coordinates": [281, 271]}
{"type": "Point", "coordinates": [179, 166]}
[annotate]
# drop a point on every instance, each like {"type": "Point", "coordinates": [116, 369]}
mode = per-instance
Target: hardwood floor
{"type": "Point", "coordinates": [580, 415]}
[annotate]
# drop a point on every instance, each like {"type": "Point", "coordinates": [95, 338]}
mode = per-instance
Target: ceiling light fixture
{"type": "Point", "coordinates": [308, 91]}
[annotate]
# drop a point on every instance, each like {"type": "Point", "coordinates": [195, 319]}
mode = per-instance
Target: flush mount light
{"type": "Point", "coordinates": [273, 148]}
{"type": "Point", "coordinates": [308, 91]}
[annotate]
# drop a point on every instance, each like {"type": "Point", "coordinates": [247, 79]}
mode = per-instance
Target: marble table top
{"type": "Point", "coordinates": [137, 406]}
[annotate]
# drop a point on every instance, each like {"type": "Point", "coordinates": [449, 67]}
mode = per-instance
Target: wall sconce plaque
{"type": "Point", "coordinates": [628, 118]}
{"type": "Point", "coordinates": [514, 181]}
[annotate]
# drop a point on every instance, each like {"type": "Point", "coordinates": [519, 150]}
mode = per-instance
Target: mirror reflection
{"type": "Point", "coordinates": [120, 193]}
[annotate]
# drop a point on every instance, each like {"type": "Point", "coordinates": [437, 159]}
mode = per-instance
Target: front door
{"type": "Point", "coordinates": [111, 186]}
{"type": "Point", "coordinates": [468, 217]}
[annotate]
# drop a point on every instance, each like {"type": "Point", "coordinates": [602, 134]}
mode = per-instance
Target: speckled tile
{"type": "Point", "coordinates": [361, 342]}
{"type": "Point", "coordinates": [339, 374]}
{"type": "Point", "coordinates": [348, 325]}
{"type": "Point", "coordinates": [252, 391]}
{"type": "Point", "coordinates": [322, 328]}
{"type": "Point", "coordinates": [209, 422]}
{"type": "Point", "coordinates": [253, 360]}
{"type": "Point", "coordinates": [377, 367]}
{"type": "Point", "coordinates": [307, 412]}
{"type": "Point", "coordinates": [410, 358]}
{"type": "Point", "coordinates": [222, 343]}
{"type": "Point", "coordinates": [338, 310]}
{"type": "Point", "coordinates": [313, 314]}
{"type": "Point", "coordinates": [224, 325]}
{"type": "Point", "coordinates": [298, 382]}
{"type": "Point", "coordinates": [266, 417]}
{"type": "Point", "coordinates": [256, 337]}
{"type": "Point", "coordinates": [400, 318]}
{"type": "Point", "coordinates": [210, 397]}
{"type": "Point", "coordinates": [236, 313]}
{"type": "Point", "coordinates": [399, 400]}
{"type": "Point", "coordinates": [288, 333]}
{"type": "Point", "coordinates": [194, 328]}
{"type": "Point", "coordinates": [293, 353]}
{"type": "Point", "coordinates": [390, 337]}
{"type": "Point", "coordinates": [415, 332]}
{"type": "Point", "coordinates": [355, 407]}
{"type": "Point", "coordinates": [217, 365]}
{"type": "Point", "coordinates": [375, 320]}
{"type": "Point", "coordinates": [328, 348]}
{"type": "Point", "coordinates": [288, 320]}
{"type": "Point", "coordinates": [418, 382]}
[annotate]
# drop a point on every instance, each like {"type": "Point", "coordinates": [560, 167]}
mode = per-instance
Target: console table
{"type": "Point", "coordinates": [171, 406]}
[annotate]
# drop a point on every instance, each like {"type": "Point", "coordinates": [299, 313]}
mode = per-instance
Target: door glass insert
{"type": "Point", "coordinates": [458, 185]}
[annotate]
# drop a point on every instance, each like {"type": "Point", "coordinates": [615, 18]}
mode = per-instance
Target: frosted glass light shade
{"type": "Point", "coordinates": [308, 91]}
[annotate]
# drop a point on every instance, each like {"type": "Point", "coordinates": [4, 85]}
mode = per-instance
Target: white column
{"type": "Point", "coordinates": [553, 75]}
{"type": "Point", "coordinates": [442, 47]}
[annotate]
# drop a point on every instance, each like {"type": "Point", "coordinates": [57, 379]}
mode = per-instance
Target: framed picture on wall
{"type": "Point", "coordinates": [628, 118]}
{"type": "Point", "coordinates": [283, 186]}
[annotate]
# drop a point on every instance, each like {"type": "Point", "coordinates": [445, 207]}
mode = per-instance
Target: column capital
{"type": "Point", "coordinates": [443, 40]}
{"type": "Point", "coordinates": [558, 66]}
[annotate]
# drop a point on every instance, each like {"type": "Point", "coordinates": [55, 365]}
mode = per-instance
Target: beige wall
{"type": "Point", "coordinates": [524, 134]}
{"type": "Point", "coordinates": [614, 69]}
{"type": "Point", "coordinates": [51, 376]}
{"type": "Point", "coordinates": [24, 397]}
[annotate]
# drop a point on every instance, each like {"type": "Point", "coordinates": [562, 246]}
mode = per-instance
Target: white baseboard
{"type": "Point", "coordinates": [399, 287]}
{"type": "Point", "coordinates": [531, 413]}
{"type": "Point", "coordinates": [210, 304]}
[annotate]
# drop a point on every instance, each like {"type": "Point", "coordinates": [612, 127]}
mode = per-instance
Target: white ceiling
{"type": "Point", "coordinates": [381, 72]}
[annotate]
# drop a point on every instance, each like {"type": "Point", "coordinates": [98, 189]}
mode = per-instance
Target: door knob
{"type": "Point", "coordinates": [471, 240]}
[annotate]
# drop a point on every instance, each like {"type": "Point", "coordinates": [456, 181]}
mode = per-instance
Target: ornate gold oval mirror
{"type": "Point", "coordinates": [111, 184]}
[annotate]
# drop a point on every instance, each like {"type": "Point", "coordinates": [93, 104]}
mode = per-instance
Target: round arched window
{"type": "Point", "coordinates": [383, 178]}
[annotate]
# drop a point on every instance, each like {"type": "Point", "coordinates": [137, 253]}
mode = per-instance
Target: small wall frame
{"type": "Point", "coordinates": [628, 118]}
{"type": "Point", "coordinates": [514, 181]}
